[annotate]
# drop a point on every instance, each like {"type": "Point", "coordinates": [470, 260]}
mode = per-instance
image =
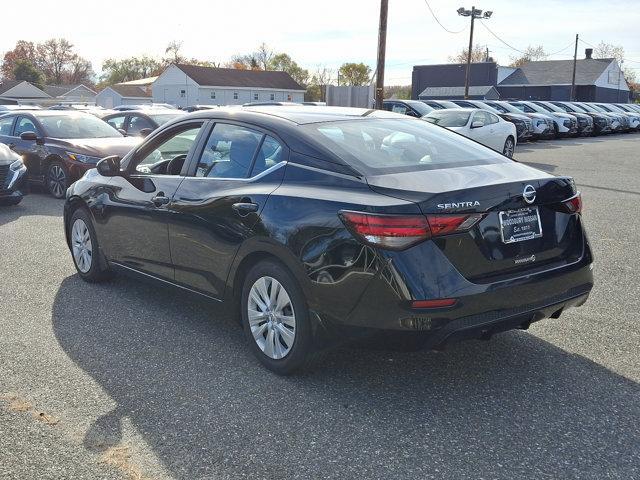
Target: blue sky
{"type": "Point", "coordinates": [327, 32]}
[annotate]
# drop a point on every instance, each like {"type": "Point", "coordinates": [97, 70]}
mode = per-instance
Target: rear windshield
{"type": "Point", "coordinates": [377, 146]}
{"type": "Point", "coordinates": [448, 118]}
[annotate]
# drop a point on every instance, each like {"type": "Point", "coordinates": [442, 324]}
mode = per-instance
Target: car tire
{"type": "Point", "coordinates": [57, 179]}
{"type": "Point", "coordinates": [509, 147]}
{"type": "Point", "coordinates": [275, 318]}
{"type": "Point", "coordinates": [85, 251]}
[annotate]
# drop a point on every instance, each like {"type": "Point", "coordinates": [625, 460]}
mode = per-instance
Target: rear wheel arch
{"type": "Point", "coordinates": [244, 263]}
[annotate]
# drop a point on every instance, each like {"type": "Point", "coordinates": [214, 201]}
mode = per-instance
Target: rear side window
{"type": "Point", "coordinates": [377, 146]}
{"type": "Point", "coordinates": [229, 152]}
{"type": "Point", "coordinates": [5, 125]}
{"type": "Point", "coordinates": [271, 153]}
{"type": "Point", "coordinates": [117, 122]}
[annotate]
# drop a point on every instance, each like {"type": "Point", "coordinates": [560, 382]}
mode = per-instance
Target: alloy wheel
{"type": "Point", "coordinates": [271, 316]}
{"type": "Point", "coordinates": [57, 181]}
{"type": "Point", "coordinates": [508, 148]}
{"type": "Point", "coordinates": [81, 245]}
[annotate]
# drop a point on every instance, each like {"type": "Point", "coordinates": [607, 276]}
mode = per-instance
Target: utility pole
{"type": "Point", "coordinates": [473, 13]}
{"type": "Point", "coordinates": [619, 75]}
{"type": "Point", "coordinates": [573, 78]}
{"type": "Point", "coordinates": [486, 57]}
{"type": "Point", "coordinates": [382, 46]}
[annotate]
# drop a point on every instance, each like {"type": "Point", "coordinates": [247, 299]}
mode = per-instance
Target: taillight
{"type": "Point", "coordinates": [437, 303]}
{"type": "Point", "coordinates": [572, 205]}
{"type": "Point", "coordinates": [398, 232]}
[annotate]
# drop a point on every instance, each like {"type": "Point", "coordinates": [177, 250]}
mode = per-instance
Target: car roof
{"type": "Point", "coordinates": [298, 114]}
{"type": "Point", "coordinates": [52, 113]}
{"type": "Point", "coordinates": [458, 110]}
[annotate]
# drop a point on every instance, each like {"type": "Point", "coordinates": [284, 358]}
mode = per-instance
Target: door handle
{"type": "Point", "coordinates": [245, 208]}
{"type": "Point", "coordinates": [160, 199]}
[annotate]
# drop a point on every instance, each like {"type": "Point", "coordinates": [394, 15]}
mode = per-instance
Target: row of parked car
{"type": "Point", "coordinates": [501, 124]}
{"type": "Point", "coordinates": [58, 144]}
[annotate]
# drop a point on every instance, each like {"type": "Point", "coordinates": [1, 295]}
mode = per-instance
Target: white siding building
{"type": "Point", "coordinates": [184, 85]}
{"type": "Point", "coordinates": [21, 92]}
{"type": "Point", "coordinates": [121, 94]}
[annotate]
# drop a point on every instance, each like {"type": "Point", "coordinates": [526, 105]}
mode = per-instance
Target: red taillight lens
{"type": "Point", "coordinates": [397, 232]}
{"type": "Point", "coordinates": [446, 224]}
{"type": "Point", "coordinates": [574, 204]}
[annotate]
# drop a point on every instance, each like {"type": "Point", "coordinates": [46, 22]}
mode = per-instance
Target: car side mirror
{"type": "Point", "coordinates": [122, 131]}
{"type": "Point", "coordinates": [477, 124]}
{"type": "Point", "coordinates": [30, 137]}
{"type": "Point", "coordinates": [109, 166]}
{"type": "Point", "coordinates": [145, 132]}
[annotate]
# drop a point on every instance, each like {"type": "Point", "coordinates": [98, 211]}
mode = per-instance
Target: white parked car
{"type": "Point", "coordinates": [479, 125]}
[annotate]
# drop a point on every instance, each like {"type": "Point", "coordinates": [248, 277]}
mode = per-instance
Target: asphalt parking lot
{"type": "Point", "coordinates": [128, 380]}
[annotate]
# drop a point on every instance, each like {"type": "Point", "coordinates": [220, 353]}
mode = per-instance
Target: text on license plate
{"type": "Point", "coordinates": [520, 225]}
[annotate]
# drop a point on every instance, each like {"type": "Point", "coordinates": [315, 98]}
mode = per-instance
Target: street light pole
{"type": "Point", "coordinates": [473, 13]}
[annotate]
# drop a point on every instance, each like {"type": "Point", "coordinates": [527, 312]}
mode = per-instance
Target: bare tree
{"type": "Point", "coordinates": [531, 54]}
{"type": "Point", "coordinates": [54, 56]}
{"type": "Point", "coordinates": [478, 55]}
{"type": "Point", "coordinates": [264, 56]}
{"type": "Point", "coordinates": [173, 52]}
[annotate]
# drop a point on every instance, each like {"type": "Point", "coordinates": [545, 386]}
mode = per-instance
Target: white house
{"type": "Point", "coordinates": [120, 94]}
{"type": "Point", "coordinates": [184, 85]}
{"type": "Point", "coordinates": [20, 92]}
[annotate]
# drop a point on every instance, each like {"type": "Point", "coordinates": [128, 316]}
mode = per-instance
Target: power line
{"type": "Point", "coordinates": [438, 21]}
{"type": "Point", "coordinates": [500, 40]}
{"type": "Point", "coordinates": [562, 50]}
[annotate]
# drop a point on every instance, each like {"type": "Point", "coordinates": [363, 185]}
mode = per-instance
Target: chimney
{"type": "Point", "coordinates": [588, 52]}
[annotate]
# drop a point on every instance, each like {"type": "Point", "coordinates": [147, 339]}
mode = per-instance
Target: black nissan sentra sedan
{"type": "Point", "coordinates": [321, 222]}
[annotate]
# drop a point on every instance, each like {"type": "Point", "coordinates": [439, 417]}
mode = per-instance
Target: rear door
{"type": "Point", "coordinates": [132, 221]}
{"type": "Point", "coordinates": [218, 205]}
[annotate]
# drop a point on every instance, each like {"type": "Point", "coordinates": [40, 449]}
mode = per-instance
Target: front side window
{"type": "Point", "coordinates": [397, 108]}
{"type": "Point", "coordinates": [378, 146]}
{"type": "Point", "coordinates": [24, 125]}
{"type": "Point", "coordinates": [167, 155]}
{"type": "Point", "coordinates": [229, 152]}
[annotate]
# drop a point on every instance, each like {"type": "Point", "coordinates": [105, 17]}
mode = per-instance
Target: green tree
{"type": "Point", "coordinates": [23, 51]}
{"type": "Point", "coordinates": [284, 63]}
{"type": "Point", "coordinates": [356, 74]}
{"type": "Point", "coordinates": [27, 71]}
{"type": "Point", "coordinates": [127, 69]}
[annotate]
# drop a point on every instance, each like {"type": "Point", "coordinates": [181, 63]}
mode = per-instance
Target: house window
{"type": "Point", "coordinates": [213, 95]}
{"type": "Point", "coordinates": [288, 97]}
{"type": "Point", "coordinates": [272, 96]}
{"type": "Point", "coordinates": [256, 96]}
{"type": "Point", "coordinates": [235, 95]}
{"type": "Point", "coordinates": [183, 93]}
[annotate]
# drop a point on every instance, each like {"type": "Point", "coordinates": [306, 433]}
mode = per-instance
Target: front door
{"type": "Point", "coordinates": [132, 219]}
{"type": "Point", "coordinates": [217, 207]}
{"type": "Point", "coordinates": [32, 153]}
